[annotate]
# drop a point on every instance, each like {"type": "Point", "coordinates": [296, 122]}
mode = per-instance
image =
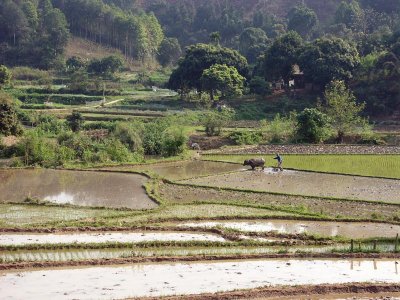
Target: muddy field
{"type": "Point", "coordinates": [308, 184]}
{"type": "Point", "coordinates": [103, 237]}
{"type": "Point", "coordinates": [333, 208]}
{"type": "Point", "coordinates": [182, 170]}
{"type": "Point", "coordinates": [119, 282]}
{"type": "Point", "coordinates": [75, 187]}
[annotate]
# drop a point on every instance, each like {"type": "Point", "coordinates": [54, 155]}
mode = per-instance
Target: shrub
{"type": "Point", "coordinates": [153, 137]}
{"type": "Point", "coordinates": [75, 121]}
{"type": "Point", "coordinates": [117, 151]}
{"type": "Point", "coordinates": [50, 124]}
{"type": "Point", "coordinates": [246, 137]}
{"type": "Point", "coordinates": [313, 126]}
{"type": "Point", "coordinates": [281, 129]}
{"type": "Point", "coordinates": [174, 141]}
{"type": "Point", "coordinates": [259, 86]}
{"type": "Point", "coordinates": [214, 121]}
{"type": "Point", "coordinates": [130, 137]}
{"type": "Point", "coordinates": [26, 73]}
{"type": "Point", "coordinates": [37, 150]}
{"type": "Point", "coordinates": [78, 143]}
{"type": "Point", "coordinates": [9, 124]}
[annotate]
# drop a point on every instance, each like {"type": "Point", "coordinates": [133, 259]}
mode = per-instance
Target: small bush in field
{"type": "Point", "coordinates": [174, 141]}
{"type": "Point", "coordinates": [313, 126]}
{"type": "Point", "coordinates": [280, 129]}
{"type": "Point", "coordinates": [246, 137]}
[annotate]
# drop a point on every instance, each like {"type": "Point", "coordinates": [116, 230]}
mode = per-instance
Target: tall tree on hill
{"type": "Point", "coordinates": [303, 20]}
{"type": "Point", "coordinates": [281, 56]}
{"type": "Point", "coordinates": [169, 51]}
{"type": "Point", "coordinates": [350, 14]}
{"type": "Point", "coordinates": [252, 43]}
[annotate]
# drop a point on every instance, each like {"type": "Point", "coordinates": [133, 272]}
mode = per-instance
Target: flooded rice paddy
{"type": "Point", "coordinates": [308, 183]}
{"type": "Point", "coordinates": [103, 237]}
{"type": "Point", "coordinates": [75, 187]}
{"type": "Point", "coordinates": [183, 169]}
{"type": "Point", "coordinates": [157, 279]}
{"type": "Point", "coordinates": [356, 230]}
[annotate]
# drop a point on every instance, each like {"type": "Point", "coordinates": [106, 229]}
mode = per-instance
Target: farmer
{"type": "Point", "coordinates": [280, 160]}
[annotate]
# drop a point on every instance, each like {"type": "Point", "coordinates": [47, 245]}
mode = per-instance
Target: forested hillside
{"type": "Point", "coordinates": [36, 32]}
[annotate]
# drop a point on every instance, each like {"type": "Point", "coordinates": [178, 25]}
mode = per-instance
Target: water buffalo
{"type": "Point", "coordinates": [255, 162]}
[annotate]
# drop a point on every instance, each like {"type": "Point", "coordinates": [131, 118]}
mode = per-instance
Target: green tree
{"type": "Point", "coordinates": [5, 76]}
{"type": "Point", "coordinates": [75, 121]}
{"type": "Point", "coordinates": [223, 79]}
{"type": "Point", "coordinates": [199, 58]}
{"type": "Point", "coordinates": [215, 38]}
{"type": "Point", "coordinates": [342, 109]}
{"type": "Point", "coordinates": [9, 124]}
{"type": "Point", "coordinates": [327, 59]}
{"type": "Point", "coordinates": [214, 121]}
{"type": "Point", "coordinates": [312, 126]}
{"type": "Point", "coordinates": [252, 43]}
{"type": "Point", "coordinates": [259, 86]}
{"type": "Point", "coordinates": [105, 67]}
{"type": "Point", "coordinates": [129, 136]}
{"type": "Point", "coordinates": [303, 20]}
{"type": "Point", "coordinates": [281, 56]}
{"type": "Point", "coordinates": [169, 52]}
{"type": "Point", "coordinates": [349, 14]}
{"type": "Point", "coordinates": [75, 63]}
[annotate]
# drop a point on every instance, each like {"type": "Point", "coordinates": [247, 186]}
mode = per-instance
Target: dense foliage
{"type": "Point", "coordinates": [32, 32]}
{"type": "Point", "coordinates": [201, 57]}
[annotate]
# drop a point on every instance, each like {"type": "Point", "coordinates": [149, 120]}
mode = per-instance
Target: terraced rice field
{"type": "Point", "coordinates": [103, 237]}
{"type": "Point", "coordinates": [216, 227]}
{"type": "Point", "coordinates": [182, 169]}
{"type": "Point", "coordinates": [119, 282]}
{"type": "Point", "coordinates": [307, 184]}
{"type": "Point", "coordinates": [364, 165]}
{"type": "Point", "coordinates": [355, 230]}
{"type": "Point", "coordinates": [77, 188]}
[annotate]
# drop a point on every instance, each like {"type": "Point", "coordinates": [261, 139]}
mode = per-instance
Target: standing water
{"type": "Point", "coordinates": [75, 187]}
{"type": "Point", "coordinates": [119, 282]}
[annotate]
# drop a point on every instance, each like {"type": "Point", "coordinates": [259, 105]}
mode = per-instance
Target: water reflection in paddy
{"type": "Point", "coordinates": [140, 280]}
{"type": "Point", "coordinates": [184, 169]}
{"type": "Point", "coordinates": [103, 237]}
{"type": "Point", "coordinates": [328, 229]}
{"type": "Point", "coordinates": [75, 187]}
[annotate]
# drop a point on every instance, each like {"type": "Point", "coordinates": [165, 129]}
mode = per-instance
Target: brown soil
{"type": "Point", "coordinates": [313, 184]}
{"type": "Point", "coordinates": [312, 149]}
{"type": "Point", "coordinates": [208, 143]}
{"type": "Point", "coordinates": [282, 291]}
{"type": "Point", "coordinates": [182, 194]}
{"type": "Point", "coordinates": [194, 258]}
